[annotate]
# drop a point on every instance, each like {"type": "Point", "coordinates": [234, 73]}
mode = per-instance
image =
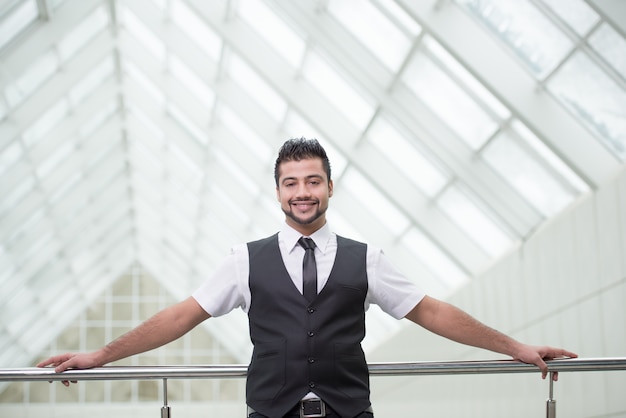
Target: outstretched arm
{"type": "Point", "coordinates": [451, 322]}
{"type": "Point", "coordinates": [162, 328]}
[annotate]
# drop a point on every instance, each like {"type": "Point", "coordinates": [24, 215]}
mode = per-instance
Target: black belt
{"type": "Point", "coordinates": [310, 408]}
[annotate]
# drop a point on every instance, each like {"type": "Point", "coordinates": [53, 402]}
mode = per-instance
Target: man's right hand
{"type": "Point", "coordinates": [67, 361]}
{"type": "Point", "coordinates": [166, 326]}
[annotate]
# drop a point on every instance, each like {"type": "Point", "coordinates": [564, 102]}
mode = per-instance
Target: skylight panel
{"type": "Point", "coordinates": [295, 126]}
{"type": "Point", "coordinates": [373, 200]}
{"type": "Point", "coordinates": [236, 172]}
{"type": "Point", "coordinates": [97, 119]}
{"type": "Point", "coordinates": [373, 29]}
{"type": "Point", "coordinates": [261, 92]}
{"type": "Point", "coordinates": [338, 163]}
{"type": "Point", "coordinates": [549, 157]}
{"type": "Point", "coordinates": [10, 155]}
{"type": "Point", "coordinates": [31, 222]}
{"type": "Point", "coordinates": [83, 33]}
{"type": "Point", "coordinates": [199, 32]}
{"type": "Point", "coordinates": [54, 4]}
{"type": "Point", "coordinates": [465, 78]}
{"type": "Point", "coordinates": [155, 131]}
{"type": "Point", "coordinates": [53, 159]}
{"type": "Point", "coordinates": [449, 101]}
{"type": "Point", "coordinates": [405, 156]}
{"type": "Point", "coordinates": [91, 81]}
{"type": "Point", "coordinates": [611, 46]}
{"type": "Point", "coordinates": [535, 39]}
{"type": "Point", "coordinates": [187, 124]}
{"type": "Point", "coordinates": [135, 26]}
{"type": "Point", "coordinates": [578, 15]}
{"type": "Point", "coordinates": [142, 80]}
{"type": "Point", "coordinates": [33, 77]}
{"type": "Point", "coordinates": [16, 194]}
{"type": "Point", "coordinates": [528, 175]}
{"type": "Point", "coordinates": [219, 195]}
{"type": "Point", "coordinates": [195, 84]}
{"type": "Point", "coordinates": [143, 157]}
{"type": "Point", "coordinates": [400, 17]}
{"type": "Point", "coordinates": [45, 123]}
{"type": "Point", "coordinates": [194, 171]}
{"type": "Point", "coordinates": [474, 220]}
{"type": "Point", "coordinates": [274, 30]}
{"type": "Point", "coordinates": [240, 128]}
{"type": "Point", "coordinates": [80, 260]}
{"type": "Point", "coordinates": [18, 20]}
{"type": "Point", "coordinates": [435, 260]}
{"type": "Point", "coordinates": [596, 99]}
{"type": "Point", "coordinates": [68, 184]}
{"type": "Point", "coordinates": [342, 96]}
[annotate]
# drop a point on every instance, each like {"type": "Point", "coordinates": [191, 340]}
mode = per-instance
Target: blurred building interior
{"type": "Point", "coordinates": [480, 143]}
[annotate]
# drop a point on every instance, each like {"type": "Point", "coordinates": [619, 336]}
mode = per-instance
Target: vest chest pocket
{"type": "Point", "coordinates": [266, 374]}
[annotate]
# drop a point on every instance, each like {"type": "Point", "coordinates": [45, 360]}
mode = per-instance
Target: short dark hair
{"type": "Point", "coordinates": [296, 149]}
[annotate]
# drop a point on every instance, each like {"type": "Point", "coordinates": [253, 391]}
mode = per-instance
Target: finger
{"type": "Point", "coordinates": [543, 367]}
{"type": "Point", "coordinates": [555, 353]}
{"type": "Point", "coordinates": [54, 361]}
{"type": "Point", "coordinates": [46, 362]}
{"type": "Point", "coordinates": [63, 366]}
{"type": "Point", "coordinates": [569, 354]}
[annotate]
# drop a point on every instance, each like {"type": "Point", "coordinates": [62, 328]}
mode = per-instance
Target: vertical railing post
{"type": "Point", "coordinates": [551, 402]}
{"type": "Point", "coordinates": [165, 409]}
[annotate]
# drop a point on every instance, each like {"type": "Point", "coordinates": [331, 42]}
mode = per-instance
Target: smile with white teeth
{"type": "Point", "coordinates": [303, 205]}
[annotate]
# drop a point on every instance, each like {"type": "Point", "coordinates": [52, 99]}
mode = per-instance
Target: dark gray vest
{"type": "Point", "coordinates": [301, 347]}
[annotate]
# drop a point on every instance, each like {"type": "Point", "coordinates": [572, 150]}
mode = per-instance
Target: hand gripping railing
{"type": "Point", "coordinates": [376, 369]}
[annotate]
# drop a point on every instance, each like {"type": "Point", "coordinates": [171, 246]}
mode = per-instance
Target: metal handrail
{"type": "Point", "coordinates": [376, 369]}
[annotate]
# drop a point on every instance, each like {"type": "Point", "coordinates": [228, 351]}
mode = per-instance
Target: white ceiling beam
{"type": "Point", "coordinates": [44, 38]}
{"type": "Point", "coordinates": [513, 84]}
{"type": "Point", "coordinates": [613, 11]}
{"type": "Point", "coordinates": [62, 82]}
{"type": "Point", "coordinates": [418, 119]}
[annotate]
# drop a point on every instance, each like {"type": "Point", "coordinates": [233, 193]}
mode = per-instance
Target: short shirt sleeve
{"type": "Point", "coordinates": [223, 291]}
{"type": "Point", "coordinates": [392, 291]}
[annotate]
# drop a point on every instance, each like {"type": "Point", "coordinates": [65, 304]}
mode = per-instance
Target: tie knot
{"type": "Point", "coordinates": [306, 243]}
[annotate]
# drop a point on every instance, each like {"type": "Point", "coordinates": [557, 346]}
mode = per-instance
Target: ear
{"type": "Point", "coordinates": [330, 188]}
{"type": "Point", "coordinates": [277, 193]}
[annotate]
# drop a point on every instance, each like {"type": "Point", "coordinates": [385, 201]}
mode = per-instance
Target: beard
{"type": "Point", "coordinates": [302, 220]}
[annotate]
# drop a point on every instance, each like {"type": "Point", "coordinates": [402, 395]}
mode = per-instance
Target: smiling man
{"type": "Point", "coordinates": [303, 189]}
{"type": "Point", "coordinates": [307, 359]}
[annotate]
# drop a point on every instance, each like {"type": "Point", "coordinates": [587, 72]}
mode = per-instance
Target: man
{"type": "Point", "coordinates": [307, 358]}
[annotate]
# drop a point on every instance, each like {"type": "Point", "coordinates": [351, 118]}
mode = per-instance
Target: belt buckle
{"type": "Point", "coordinates": [320, 412]}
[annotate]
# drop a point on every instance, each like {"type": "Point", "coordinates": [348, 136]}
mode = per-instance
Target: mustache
{"type": "Point", "coordinates": [303, 200]}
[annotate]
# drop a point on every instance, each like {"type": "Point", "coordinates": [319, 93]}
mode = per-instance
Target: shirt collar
{"type": "Point", "coordinates": [290, 237]}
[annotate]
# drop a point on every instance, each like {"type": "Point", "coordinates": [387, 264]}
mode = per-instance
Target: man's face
{"type": "Point", "coordinates": [303, 192]}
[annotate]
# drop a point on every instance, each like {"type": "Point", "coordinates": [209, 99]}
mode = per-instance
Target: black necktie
{"type": "Point", "coordinates": [309, 269]}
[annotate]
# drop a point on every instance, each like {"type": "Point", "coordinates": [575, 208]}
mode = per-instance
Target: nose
{"type": "Point", "coordinates": [303, 190]}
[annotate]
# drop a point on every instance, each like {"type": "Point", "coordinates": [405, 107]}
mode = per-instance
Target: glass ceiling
{"type": "Point", "coordinates": [144, 132]}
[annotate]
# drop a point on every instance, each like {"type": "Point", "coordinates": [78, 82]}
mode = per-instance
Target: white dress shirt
{"type": "Point", "coordinates": [227, 288]}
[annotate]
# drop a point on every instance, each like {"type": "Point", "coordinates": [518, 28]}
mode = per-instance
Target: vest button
{"type": "Point", "coordinates": [310, 310]}
{"type": "Point", "coordinates": [311, 360]}
{"type": "Point", "coordinates": [310, 333]}
{"type": "Point", "coordinates": [311, 384]}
